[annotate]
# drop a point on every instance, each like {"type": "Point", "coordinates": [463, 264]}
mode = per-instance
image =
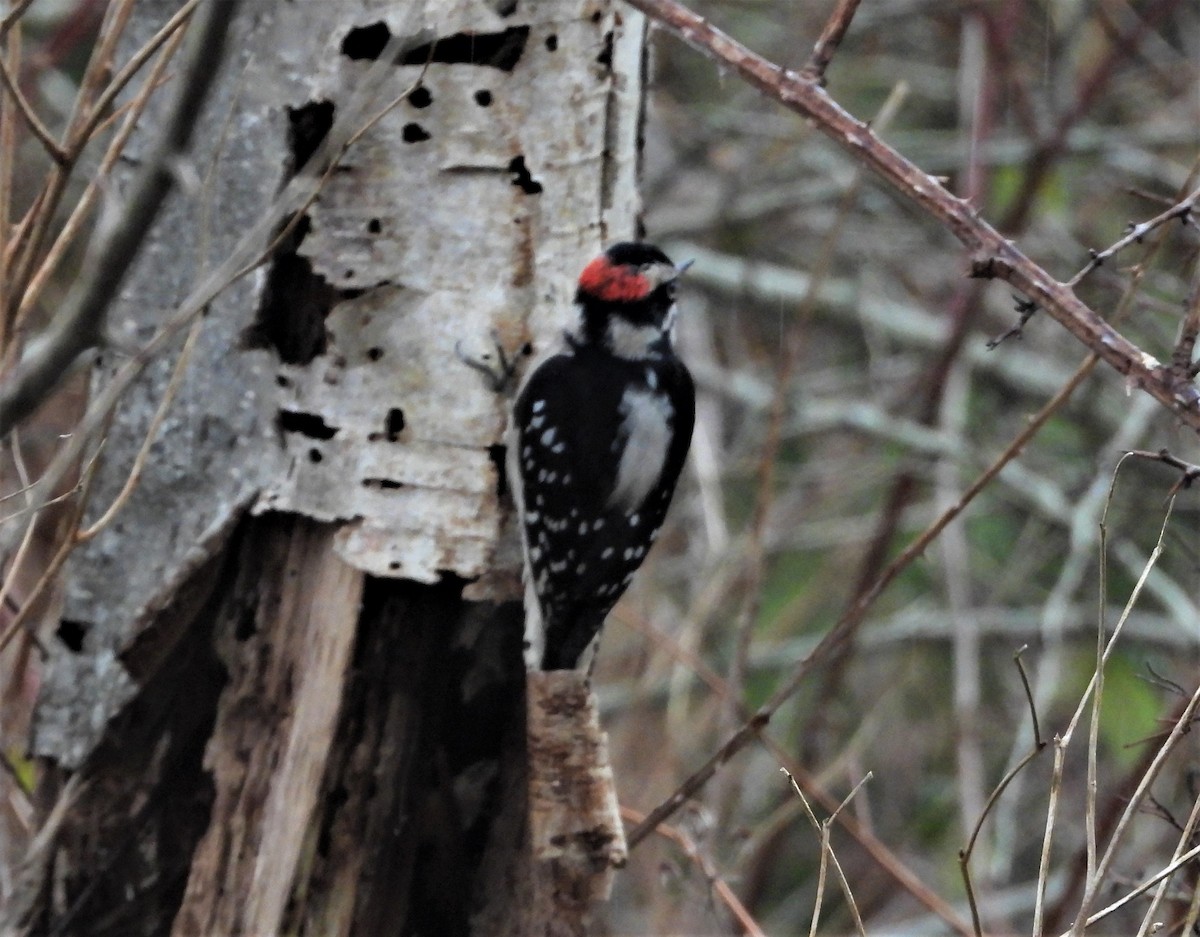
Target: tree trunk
{"type": "Point", "coordinates": [297, 703]}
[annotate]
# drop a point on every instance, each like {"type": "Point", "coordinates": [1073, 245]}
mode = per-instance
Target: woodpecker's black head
{"type": "Point", "coordinates": [627, 299]}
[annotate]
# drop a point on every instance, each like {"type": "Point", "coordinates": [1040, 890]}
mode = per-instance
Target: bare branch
{"type": "Point", "coordinates": [43, 134]}
{"type": "Point", "coordinates": [992, 255]}
{"type": "Point", "coordinates": [831, 37]}
{"type": "Point", "coordinates": [79, 325]}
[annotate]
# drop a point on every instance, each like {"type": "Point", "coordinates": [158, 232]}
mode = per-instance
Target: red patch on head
{"type": "Point", "coordinates": [613, 283]}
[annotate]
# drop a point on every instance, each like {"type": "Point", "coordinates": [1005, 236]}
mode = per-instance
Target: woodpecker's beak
{"type": "Point", "coordinates": [681, 269]}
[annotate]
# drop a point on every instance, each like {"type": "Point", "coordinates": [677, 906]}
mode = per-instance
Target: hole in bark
{"type": "Point", "coordinates": [382, 484]}
{"type": "Point", "coordinates": [394, 564]}
{"type": "Point", "coordinates": [374, 354]}
{"type": "Point", "coordinates": [366, 42]}
{"type": "Point", "coordinates": [483, 97]}
{"type": "Point", "coordinates": [307, 127]}
{"type": "Point", "coordinates": [414, 133]}
{"type": "Point", "coordinates": [506, 7]}
{"type": "Point", "coordinates": [597, 16]}
{"type": "Point", "coordinates": [552, 43]}
{"type": "Point", "coordinates": [314, 456]}
{"type": "Point", "coordinates": [71, 634]}
{"type": "Point", "coordinates": [296, 301]}
{"type": "Point", "coordinates": [395, 424]}
{"type": "Point", "coordinates": [282, 381]}
{"type": "Point", "coordinates": [497, 455]}
{"type": "Point", "coordinates": [420, 97]}
{"type": "Point", "coordinates": [374, 226]}
{"type": "Point", "coordinates": [605, 56]}
{"type": "Point", "coordinates": [495, 50]}
{"type": "Point", "coordinates": [522, 178]}
{"type": "Point", "coordinates": [306, 424]}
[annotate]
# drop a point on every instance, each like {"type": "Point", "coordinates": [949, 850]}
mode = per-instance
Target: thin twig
{"type": "Point", "coordinates": [79, 326]}
{"type": "Point", "coordinates": [79, 214]}
{"type": "Point", "coordinates": [13, 16]}
{"type": "Point", "coordinates": [1141, 889]}
{"type": "Point", "coordinates": [823, 828]}
{"type": "Point", "coordinates": [831, 37]}
{"type": "Point", "coordinates": [1136, 233]}
{"type": "Point", "coordinates": [96, 113]}
{"type": "Point", "coordinates": [964, 854]}
{"type": "Point", "coordinates": [1186, 835]}
{"type": "Point", "coordinates": [1185, 348]}
{"type": "Point", "coordinates": [744, 918]}
{"type": "Point", "coordinates": [29, 115]}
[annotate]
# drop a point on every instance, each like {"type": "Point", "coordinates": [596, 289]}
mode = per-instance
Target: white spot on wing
{"type": "Point", "coordinates": [548, 437]}
{"type": "Point", "coordinates": [539, 406]}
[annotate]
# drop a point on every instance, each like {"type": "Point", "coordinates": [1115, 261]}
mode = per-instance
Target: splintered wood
{"type": "Point", "coordinates": [575, 827]}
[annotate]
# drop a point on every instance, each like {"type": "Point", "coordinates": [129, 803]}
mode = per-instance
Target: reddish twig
{"type": "Point", "coordinates": [831, 37]}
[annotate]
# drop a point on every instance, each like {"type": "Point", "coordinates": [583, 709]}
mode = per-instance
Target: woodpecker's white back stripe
{"type": "Point", "coordinates": [646, 432]}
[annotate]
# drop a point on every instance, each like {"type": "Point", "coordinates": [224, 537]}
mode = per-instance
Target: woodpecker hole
{"type": "Point", "coordinates": [483, 97]}
{"type": "Point", "coordinates": [366, 42]}
{"type": "Point", "coordinates": [420, 97]}
{"type": "Point", "coordinates": [374, 226]}
{"type": "Point", "coordinates": [495, 50]}
{"type": "Point", "coordinates": [282, 381]}
{"type": "Point", "coordinates": [394, 425]}
{"type": "Point", "coordinates": [606, 54]}
{"type": "Point", "coordinates": [500, 50]}
{"type": "Point", "coordinates": [382, 484]}
{"type": "Point", "coordinates": [414, 133]}
{"type": "Point", "coordinates": [552, 42]}
{"type": "Point", "coordinates": [307, 128]}
{"type": "Point", "coordinates": [497, 455]}
{"type": "Point", "coordinates": [597, 16]}
{"type": "Point", "coordinates": [315, 456]}
{"type": "Point", "coordinates": [71, 634]}
{"type": "Point", "coordinates": [375, 353]}
{"type": "Point", "coordinates": [522, 178]}
{"type": "Point", "coordinates": [296, 300]}
{"type": "Point", "coordinates": [306, 424]}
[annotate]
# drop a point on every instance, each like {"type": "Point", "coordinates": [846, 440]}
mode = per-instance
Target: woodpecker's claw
{"type": "Point", "coordinates": [499, 376]}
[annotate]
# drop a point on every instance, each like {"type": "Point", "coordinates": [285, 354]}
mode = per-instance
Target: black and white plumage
{"type": "Point", "coordinates": [599, 434]}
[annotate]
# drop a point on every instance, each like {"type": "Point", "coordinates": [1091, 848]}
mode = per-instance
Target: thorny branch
{"type": "Point", "coordinates": [831, 37]}
{"type": "Point", "coordinates": [992, 255]}
{"type": "Point", "coordinates": [1134, 234]}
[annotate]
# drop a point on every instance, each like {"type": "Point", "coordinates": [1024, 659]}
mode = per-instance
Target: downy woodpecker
{"type": "Point", "coordinates": [599, 432]}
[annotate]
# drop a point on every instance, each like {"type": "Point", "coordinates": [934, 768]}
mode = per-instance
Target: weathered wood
{"type": "Point", "coordinates": [576, 835]}
{"type": "Point", "coordinates": [273, 733]}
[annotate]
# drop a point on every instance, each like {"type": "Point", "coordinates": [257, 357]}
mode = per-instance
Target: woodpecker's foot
{"type": "Point", "coordinates": [497, 369]}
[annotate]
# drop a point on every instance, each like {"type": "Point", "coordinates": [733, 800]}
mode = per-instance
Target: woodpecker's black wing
{"type": "Point", "coordinates": [601, 443]}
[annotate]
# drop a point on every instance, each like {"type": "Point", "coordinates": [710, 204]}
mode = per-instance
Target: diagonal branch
{"type": "Point", "coordinates": [992, 256]}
